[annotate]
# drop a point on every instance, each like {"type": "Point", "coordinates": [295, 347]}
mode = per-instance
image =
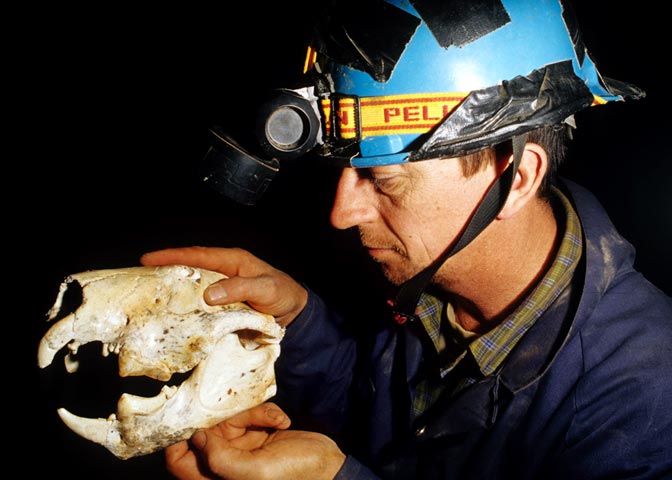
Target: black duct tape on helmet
{"type": "Point", "coordinates": [492, 115]}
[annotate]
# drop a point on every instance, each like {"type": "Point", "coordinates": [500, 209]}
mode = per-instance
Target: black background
{"type": "Point", "coordinates": [108, 114]}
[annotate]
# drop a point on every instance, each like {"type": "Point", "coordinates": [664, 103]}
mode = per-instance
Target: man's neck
{"type": "Point", "coordinates": [500, 268]}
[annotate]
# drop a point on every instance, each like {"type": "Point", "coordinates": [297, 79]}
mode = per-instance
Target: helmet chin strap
{"type": "Point", "coordinates": [408, 296]}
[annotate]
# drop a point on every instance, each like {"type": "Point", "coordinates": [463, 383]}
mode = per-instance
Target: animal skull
{"type": "Point", "coordinates": [157, 322]}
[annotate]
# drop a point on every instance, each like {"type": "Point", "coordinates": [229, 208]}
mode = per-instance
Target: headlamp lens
{"type": "Point", "coordinates": [288, 125]}
{"type": "Point", "coordinates": [286, 128]}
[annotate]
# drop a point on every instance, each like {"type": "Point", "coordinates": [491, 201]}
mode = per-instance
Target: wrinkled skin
{"type": "Point", "coordinates": [156, 320]}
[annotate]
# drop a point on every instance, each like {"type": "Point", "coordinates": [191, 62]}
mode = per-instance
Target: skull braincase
{"type": "Point", "coordinates": [156, 320]}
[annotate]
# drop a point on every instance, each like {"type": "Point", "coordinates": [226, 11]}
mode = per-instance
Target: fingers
{"type": "Point", "coordinates": [255, 444]}
{"type": "Point", "coordinates": [177, 451]}
{"type": "Point", "coordinates": [274, 293]}
{"type": "Point", "coordinates": [182, 462]}
{"type": "Point", "coordinates": [266, 415]}
{"type": "Point", "coordinates": [251, 280]}
{"type": "Point", "coordinates": [227, 448]}
{"type": "Point", "coordinates": [229, 261]}
{"type": "Point", "coordinates": [224, 459]}
{"type": "Point", "coordinates": [281, 454]}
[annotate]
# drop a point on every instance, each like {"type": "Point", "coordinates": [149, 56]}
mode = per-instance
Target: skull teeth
{"type": "Point", "coordinates": [169, 391]}
{"type": "Point", "coordinates": [72, 364]}
{"type": "Point", "coordinates": [111, 348]}
{"type": "Point", "coordinates": [74, 347]}
{"type": "Point", "coordinates": [103, 431]}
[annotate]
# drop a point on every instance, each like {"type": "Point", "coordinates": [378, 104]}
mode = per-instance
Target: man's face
{"type": "Point", "coordinates": [408, 214]}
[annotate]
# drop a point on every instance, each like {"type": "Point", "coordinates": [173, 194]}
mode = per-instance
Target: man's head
{"type": "Point", "coordinates": [452, 114]}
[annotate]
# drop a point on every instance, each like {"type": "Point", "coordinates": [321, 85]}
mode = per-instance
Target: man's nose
{"type": "Point", "coordinates": [352, 202]}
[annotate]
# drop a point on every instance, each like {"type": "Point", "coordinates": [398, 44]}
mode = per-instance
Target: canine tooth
{"type": "Point", "coordinates": [95, 429]}
{"type": "Point", "coordinates": [98, 430]}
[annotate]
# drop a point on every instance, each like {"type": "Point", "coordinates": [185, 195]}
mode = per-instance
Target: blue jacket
{"type": "Point", "coordinates": [586, 393]}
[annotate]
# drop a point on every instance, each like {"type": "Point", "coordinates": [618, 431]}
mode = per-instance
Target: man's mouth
{"type": "Point", "coordinates": [378, 252]}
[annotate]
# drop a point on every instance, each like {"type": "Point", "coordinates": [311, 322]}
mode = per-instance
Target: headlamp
{"type": "Point", "coordinates": [288, 126]}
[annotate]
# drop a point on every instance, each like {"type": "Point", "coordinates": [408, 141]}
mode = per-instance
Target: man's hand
{"type": "Point", "coordinates": [251, 280]}
{"type": "Point", "coordinates": [255, 445]}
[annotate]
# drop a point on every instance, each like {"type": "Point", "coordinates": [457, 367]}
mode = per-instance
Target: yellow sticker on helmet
{"type": "Point", "coordinates": [311, 57]}
{"type": "Point", "coordinates": [390, 115]}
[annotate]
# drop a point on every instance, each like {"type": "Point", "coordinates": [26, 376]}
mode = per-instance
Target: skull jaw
{"type": "Point", "coordinates": [210, 395]}
{"type": "Point", "coordinates": [124, 442]}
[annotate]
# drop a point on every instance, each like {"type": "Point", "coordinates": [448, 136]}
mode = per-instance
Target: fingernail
{"type": "Point", "coordinates": [275, 414]}
{"type": "Point", "coordinates": [215, 294]}
{"type": "Point", "coordinates": [199, 438]}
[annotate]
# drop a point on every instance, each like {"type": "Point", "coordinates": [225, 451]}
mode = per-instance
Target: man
{"type": "Point", "coordinates": [521, 342]}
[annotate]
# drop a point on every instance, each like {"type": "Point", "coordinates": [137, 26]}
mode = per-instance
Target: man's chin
{"type": "Point", "coordinates": [393, 269]}
{"type": "Point", "coordinates": [393, 276]}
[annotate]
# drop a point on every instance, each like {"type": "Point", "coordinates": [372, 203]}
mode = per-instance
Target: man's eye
{"type": "Point", "coordinates": [386, 185]}
{"type": "Point", "coordinates": [380, 182]}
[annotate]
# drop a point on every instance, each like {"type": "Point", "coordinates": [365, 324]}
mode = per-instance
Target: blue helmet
{"type": "Point", "coordinates": [407, 80]}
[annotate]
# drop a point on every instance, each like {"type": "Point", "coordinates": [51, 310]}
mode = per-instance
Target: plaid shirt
{"type": "Point", "coordinates": [488, 351]}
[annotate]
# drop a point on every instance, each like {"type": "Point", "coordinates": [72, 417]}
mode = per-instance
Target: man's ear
{"type": "Point", "coordinates": [527, 180]}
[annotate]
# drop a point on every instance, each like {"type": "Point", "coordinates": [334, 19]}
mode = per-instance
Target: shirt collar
{"type": "Point", "coordinates": [490, 350]}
